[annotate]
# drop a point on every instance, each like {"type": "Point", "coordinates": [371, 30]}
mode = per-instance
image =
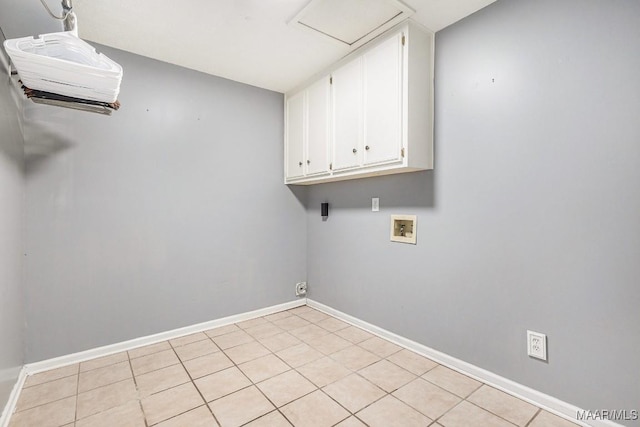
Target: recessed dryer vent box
{"type": "Point", "coordinates": [404, 228]}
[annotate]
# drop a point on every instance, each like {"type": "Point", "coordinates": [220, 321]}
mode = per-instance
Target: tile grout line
{"type": "Point", "coordinates": [193, 382]}
{"type": "Point", "coordinates": [135, 384]}
{"type": "Point", "coordinates": [534, 417]}
{"type": "Point", "coordinates": [75, 412]}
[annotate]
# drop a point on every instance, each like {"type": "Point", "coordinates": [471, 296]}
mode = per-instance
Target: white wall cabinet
{"type": "Point", "coordinates": [372, 114]}
{"type": "Point", "coordinates": [307, 136]}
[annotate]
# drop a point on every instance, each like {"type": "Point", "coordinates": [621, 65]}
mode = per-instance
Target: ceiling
{"type": "Point", "coordinates": [249, 41]}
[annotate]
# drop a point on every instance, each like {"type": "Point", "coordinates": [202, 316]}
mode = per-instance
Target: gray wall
{"type": "Point", "coordinates": [530, 219]}
{"type": "Point", "coordinates": [168, 213]}
{"type": "Point", "coordinates": [11, 243]}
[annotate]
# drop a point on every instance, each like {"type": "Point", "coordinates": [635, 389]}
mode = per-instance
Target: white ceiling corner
{"type": "Point", "coordinates": [249, 41]}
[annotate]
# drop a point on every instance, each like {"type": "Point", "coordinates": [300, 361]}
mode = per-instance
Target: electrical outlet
{"type": "Point", "coordinates": [301, 289]}
{"type": "Point", "coordinates": [537, 345]}
{"type": "Point", "coordinates": [375, 204]}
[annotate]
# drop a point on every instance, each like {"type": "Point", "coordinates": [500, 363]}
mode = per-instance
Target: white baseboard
{"type": "Point", "coordinates": [57, 362]}
{"type": "Point", "coordinates": [544, 401]}
{"type": "Point", "coordinates": [13, 398]}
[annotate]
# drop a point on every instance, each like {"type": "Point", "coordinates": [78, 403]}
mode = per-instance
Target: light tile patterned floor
{"type": "Point", "coordinates": [298, 367]}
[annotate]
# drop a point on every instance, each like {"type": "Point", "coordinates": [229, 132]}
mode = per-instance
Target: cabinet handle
{"type": "Point", "coordinates": [355, 151]}
{"type": "Point", "coordinates": [299, 163]}
{"type": "Point", "coordinates": [308, 162]}
{"type": "Point", "coordinates": [366, 148]}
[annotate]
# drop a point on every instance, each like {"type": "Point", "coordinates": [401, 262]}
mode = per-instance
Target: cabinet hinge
{"type": "Point", "coordinates": [402, 152]}
{"type": "Point", "coordinates": [330, 166]}
{"type": "Point", "coordinates": [403, 40]}
{"type": "Point", "coordinates": [331, 80]}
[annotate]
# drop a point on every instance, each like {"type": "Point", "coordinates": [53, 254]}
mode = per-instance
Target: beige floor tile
{"type": "Point", "coordinates": [208, 364]}
{"type": "Point", "coordinates": [452, 381]}
{"type": "Point", "coordinates": [188, 339]}
{"type": "Point", "coordinates": [314, 410]}
{"type": "Point", "coordinates": [545, 419]}
{"type": "Point", "coordinates": [508, 407]}
{"type": "Point", "coordinates": [252, 322]}
{"type": "Point", "coordinates": [263, 367]}
{"type": "Point", "coordinates": [222, 330]}
{"type": "Point", "coordinates": [427, 398]}
{"type": "Point", "coordinates": [221, 383]}
{"type": "Point", "coordinates": [380, 347]}
{"type": "Point", "coordinates": [353, 334]}
{"type": "Point", "coordinates": [323, 371]}
{"type": "Point", "coordinates": [299, 355]}
{"type": "Point", "coordinates": [313, 316]}
{"type": "Point", "coordinates": [107, 397]}
{"type": "Point", "coordinates": [232, 339]}
{"type": "Point", "coordinates": [351, 422]}
{"type": "Point", "coordinates": [149, 349]}
{"type": "Point", "coordinates": [161, 379]}
{"type": "Point", "coordinates": [301, 309]}
{"type": "Point", "coordinates": [104, 376]}
{"type": "Point", "coordinates": [47, 392]}
{"type": "Point", "coordinates": [152, 362]}
{"type": "Point", "coordinates": [354, 358]}
{"type": "Point", "coordinates": [246, 352]}
{"type": "Point", "coordinates": [290, 323]}
{"type": "Point", "coordinates": [199, 417]}
{"type": "Point", "coordinates": [272, 419]}
{"type": "Point", "coordinates": [390, 412]}
{"type": "Point", "coordinates": [467, 414]}
{"type": "Point", "coordinates": [412, 362]}
{"type": "Point", "coordinates": [51, 375]}
{"type": "Point", "coordinates": [279, 342]}
{"type": "Point", "coordinates": [103, 361]}
{"type": "Point", "coordinates": [196, 349]}
{"type": "Point", "coordinates": [52, 414]}
{"type": "Point", "coordinates": [263, 331]}
{"type": "Point", "coordinates": [277, 316]}
{"type": "Point", "coordinates": [127, 415]}
{"type": "Point", "coordinates": [354, 392]}
{"type": "Point", "coordinates": [386, 375]}
{"type": "Point", "coordinates": [332, 324]}
{"type": "Point", "coordinates": [240, 407]}
{"type": "Point", "coordinates": [169, 403]}
{"type": "Point", "coordinates": [329, 344]}
{"type": "Point", "coordinates": [309, 332]}
{"type": "Point", "coordinates": [286, 387]}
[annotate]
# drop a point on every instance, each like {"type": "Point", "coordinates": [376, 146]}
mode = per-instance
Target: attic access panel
{"type": "Point", "coordinates": [350, 22]}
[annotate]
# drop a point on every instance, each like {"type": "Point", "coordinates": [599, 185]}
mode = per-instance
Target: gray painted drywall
{"type": "Point", "coordinates": [11, 242]}
{"type": "Point", "coordinates": [530, 219]}
{"type": "Point", "coordinates": [168, 213]}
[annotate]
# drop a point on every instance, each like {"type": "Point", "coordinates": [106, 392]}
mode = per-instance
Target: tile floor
{"type": "Point", "coordinates": [298, 367]}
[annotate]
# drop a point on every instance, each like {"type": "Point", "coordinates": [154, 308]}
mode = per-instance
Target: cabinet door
{"type": "Point", "coordinates": [318, 96]}
{"type": "Point", "coordinates": [295, 135]}
{"type": "Point", "coordinates": [347, 115]}
{"type": "Point", "coordinates": [383, 102]}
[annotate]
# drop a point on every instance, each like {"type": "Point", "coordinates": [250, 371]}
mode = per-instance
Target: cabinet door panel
{"type": "Point", "coordinates": [295, 135]}
{"type": "Point", "coordinates": [318, 127]}
{"type": "Point", "coordinates": [383, 102]}
{"type": "Point", "coordinates": [347, 115]}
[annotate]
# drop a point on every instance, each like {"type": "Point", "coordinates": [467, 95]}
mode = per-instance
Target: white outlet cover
{"type": "Point", "coordinates": [537, 345]}
{"type": "Point", "coordinates": [375, 204]}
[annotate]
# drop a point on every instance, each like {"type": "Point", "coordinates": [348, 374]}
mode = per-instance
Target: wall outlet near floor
{"type": "Point", "coordinates": [537, 345]}
{"type": "Point", "coordinates": [375, 204]}
{"type": "Point", "coordinates": [301, 289]}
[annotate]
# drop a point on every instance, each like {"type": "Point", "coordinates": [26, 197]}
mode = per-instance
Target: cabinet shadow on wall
{"type": "Point", "coordinates": [406, 190]}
